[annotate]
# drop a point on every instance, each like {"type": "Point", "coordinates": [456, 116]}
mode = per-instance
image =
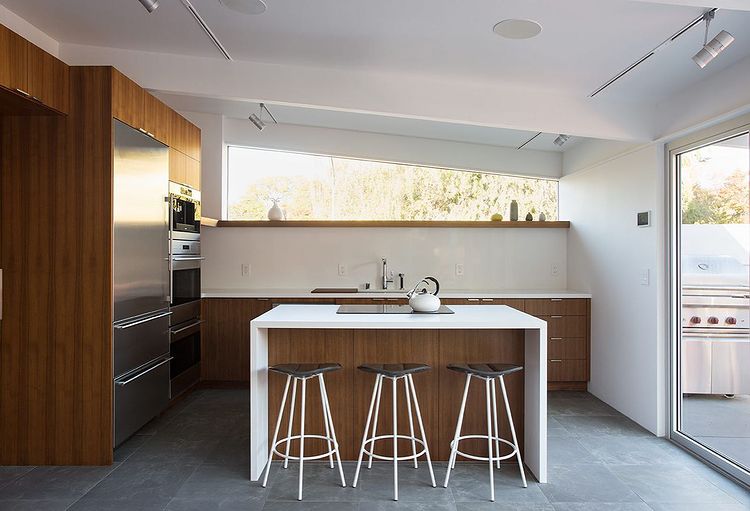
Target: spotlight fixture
{"type": "Point", "coordinates": [257, 120]}
{"type": "Point", "coordinates": [150, 5]}
{"type": "Point", "coordinates": [713, 47]}
{"type": "Point", "coordinates": [561, 139]}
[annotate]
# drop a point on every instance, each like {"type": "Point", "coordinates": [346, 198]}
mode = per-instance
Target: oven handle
{"type": "Point", "coordinates": [716, 335]}
{"type": "Point", "coordinates": [188, 327]}
{"type": "Point", "coordinates": [188, 258]}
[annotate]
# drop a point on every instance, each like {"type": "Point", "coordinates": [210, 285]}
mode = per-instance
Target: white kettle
{"type": "Point", "coordinates": [422, 300]}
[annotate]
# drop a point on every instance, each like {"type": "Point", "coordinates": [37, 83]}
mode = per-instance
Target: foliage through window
{"type": "Point", "coordinates": [313, 187]}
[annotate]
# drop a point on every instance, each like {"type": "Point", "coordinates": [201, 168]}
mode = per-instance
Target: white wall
{"type": "Point", "coordinates": [607, 254]}
{"type": "Point", "coordinates": [25, 29]}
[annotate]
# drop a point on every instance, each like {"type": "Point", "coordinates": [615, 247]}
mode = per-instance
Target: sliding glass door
{"type": "Point", "coordinates": [710, 187]}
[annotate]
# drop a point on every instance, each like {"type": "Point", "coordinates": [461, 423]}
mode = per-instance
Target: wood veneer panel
{"type": "Point", "coordinates": [565, 326]}
{"type": "Point", "coordinates": [48, 79]}
{"type": "Point", "coordinates": [128, 100]}
{"type": "Point", "coordinates": [314, 346]}
{"type": "Point", "coordinates": [157, 118]}
{"type": "Point", "coordinates": [567, 348]}
{"type": "Point", "coordinates": [13, 60]}
{"type": "Point", "coordinates": [478, 346]}
{"type": "Point", "coordinates": [395, 223]}
{"type": "Point", "coordinates": [556, 306]}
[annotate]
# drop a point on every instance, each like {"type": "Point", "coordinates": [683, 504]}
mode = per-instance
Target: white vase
{"type": "Point", "coordinates": [542, 217]}
{"type": "Point", "coordinates": [275, 213]}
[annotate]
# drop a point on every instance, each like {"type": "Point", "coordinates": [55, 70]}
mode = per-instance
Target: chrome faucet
{"type": "Point", "coordinates": [386, 280]}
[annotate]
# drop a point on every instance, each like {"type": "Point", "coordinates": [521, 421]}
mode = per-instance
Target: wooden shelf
{"type": "Point", "coordinates": [209, 222]}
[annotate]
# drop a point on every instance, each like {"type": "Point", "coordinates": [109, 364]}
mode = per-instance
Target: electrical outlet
{"type": "Point", "coordinates": [645, 277]}
{"type": "Point", "coordinates": [245, 269]}
{"type": "Point", "coordinates": [555, 270]}
{"type": "Point", "coordinates": [342, 270]}
{"type": "Point", "coordinates": [459, 269]}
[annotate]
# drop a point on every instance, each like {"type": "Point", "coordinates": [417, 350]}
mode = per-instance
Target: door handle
{"type": "Point", "coordinates": [141, 321]}
{"type": "Point", "coordinates": [133, 378]}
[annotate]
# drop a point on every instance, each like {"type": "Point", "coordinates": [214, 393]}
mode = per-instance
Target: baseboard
{"type": "Point", "coordinates": [579, 386]}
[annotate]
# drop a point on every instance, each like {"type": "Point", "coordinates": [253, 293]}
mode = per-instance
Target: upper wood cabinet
{"type": "Point", "coordinates": [48, 79]}
{"type": "Point", "coordinates": [32, 72]}
{"type": "Point", "coordinates": [186, 137]}
{"type": "Point", "coordinates": [128, 101]}
{"type": "Point", "coordinates": [13, 61]}
{"type": "Point", "coordinates": [183, 169]}
{"type": "Point", "coordinates": [158, 119]}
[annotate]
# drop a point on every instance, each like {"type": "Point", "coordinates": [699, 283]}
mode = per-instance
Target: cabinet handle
{"type": "Point", "coordinates": [555, 299]}
{"type": "Point", "coordinates": [555, 338]}
{"type": "Point", "coordinates": [20, 91]}
{"type": "Point", "coordinates": [262, 299]}
{"type": "Point", "coordinates": [150, 134]}
{"type": "Point", "coordinates": [378, 299]}
{"type": "Point", "coordinates": [556, 317]}
{"type": "Point", "coordinates": [472, 299]}
{"type": "Point", "coordinates": [488, 299]}
{"type": "Point", "coordinates": [556, 360]}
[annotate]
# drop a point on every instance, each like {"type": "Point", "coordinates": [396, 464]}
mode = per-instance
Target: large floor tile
{"type": "Point", "coordinates": [470, 482]}
{"type": "Point", "coordinates": [403, 506]}
{"type": "Point", "coordinates": [602, 506]}
{"type": "Point", "coordinates": [320, 484]}
{"type": "Point", "coordinates": [568, 451]}
{"type": "Point", "coordinates": [9, 473]}
{"type": "Point", "coordinates": [619, 450]}
{"type": "Point", "coordinates": [87, 503]}
{"type": "Point", "coordinates": [670, 484]}
{"type": "Point", "coordinates": [601, 425]}
{"type": "Point", "coordinates": [160, 448]}
{"type": "Point", "coordinates": [55, 483]}
{"type": "Point", "coordinates": [310, 506]}
{"type": "Point", "coordinates": [578, 406]}
{"type": "Point", "coordinates": [218, 503]}
{"type": "Point", "coordinates": [36, 505]}
{"type": "Point", "coordinates": [143, 482]}
{"type": "Point", "coordinates": [502, 506]}
{"type": "Point", "coordinates": [586, 483]}
{"type": "Point", "coordinates": [414, 485]}
{"type": "Point", "coordinates": [209, 482]}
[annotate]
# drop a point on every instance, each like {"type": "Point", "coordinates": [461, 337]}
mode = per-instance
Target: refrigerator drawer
{"type": "Point", "coordinates": [140, 397]}
{"type": "Point", "coordinates": [140, 340]}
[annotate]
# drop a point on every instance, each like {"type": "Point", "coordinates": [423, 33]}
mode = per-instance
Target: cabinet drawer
{"type": "Point", "coordinates": [566, 370]}
{"type": "Point", "coordinates": [566, 348]}
{"type": "Point", "coordinates": [557, 306]}
{"type": "Point", "coordinates": [565, 326]}
{"type": "Point", "coordinates": [13, 61]}
{"type": "Point", "coordinates": [510, 302]}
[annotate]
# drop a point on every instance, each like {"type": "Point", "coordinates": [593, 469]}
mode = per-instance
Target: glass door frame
{"type": "Point", "coordinates": [718, 133]}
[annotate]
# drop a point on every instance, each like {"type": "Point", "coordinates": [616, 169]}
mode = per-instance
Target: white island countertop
{"type": "Point", "coordinates": [467, 317]}
{"type": "Point", "coordinates": [448, 293]}
{"type": "Point", "coordinates": [464, 317]}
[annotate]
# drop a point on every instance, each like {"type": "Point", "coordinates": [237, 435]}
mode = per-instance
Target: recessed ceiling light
{"type": "Point", "coordinates": [245, 6]}
{"type": "Point", "coordinates": [517, 29]}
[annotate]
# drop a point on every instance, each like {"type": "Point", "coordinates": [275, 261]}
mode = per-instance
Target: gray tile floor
{"type": "Point", "coordinates": [194, 457]}
{"type": "Point", "coordinates": [719, 423]}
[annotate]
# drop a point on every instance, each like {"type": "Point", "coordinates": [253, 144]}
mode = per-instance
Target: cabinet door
{"type": "Point", "coordinates": [193, 173]}
{"type": "Point", "coordinates": [157, 119]}
{"type": "Point", "coordinates": [193, 142]}
{"type": "Point", "coordinates": [13, 61]}
{"type": "Point", "coordinates": [177, 166]}
{"type": "Point", "coordinates": [178, 132]}
{"type": "Point", "coordinates": [48, 79]}
{"type": "Point", "coordinates": [128, 101]}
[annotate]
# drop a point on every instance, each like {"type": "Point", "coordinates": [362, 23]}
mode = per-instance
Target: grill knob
{"type": "Point", "coordinates": [713, 320]}
{"type": "Point", "coordinates": [695, 320]}
{"type": "Point", "coordinates": [731, 321]}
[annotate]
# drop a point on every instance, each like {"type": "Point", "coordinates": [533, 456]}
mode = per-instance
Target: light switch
{"type": "Point", "coordinates": [342, 270]}
{"type": "Point", "coordinates": [645, 275]}
{"type": "Point", "coordinates": [459, 270]}
{"type": "Point", "coordinates": [245, 269]}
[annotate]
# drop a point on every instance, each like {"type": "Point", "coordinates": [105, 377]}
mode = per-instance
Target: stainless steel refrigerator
{"type": "Point", "coordinates": [141, 279]}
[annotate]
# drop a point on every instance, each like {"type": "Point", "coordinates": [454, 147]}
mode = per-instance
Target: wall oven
{"type": "Point", "coordinates": [185, 288]}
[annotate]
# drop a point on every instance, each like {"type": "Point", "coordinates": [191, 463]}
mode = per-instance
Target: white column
{"type": "Point", "coordinates": [535, 403]}
{"type": "Point", "coordinates": [258, 400]}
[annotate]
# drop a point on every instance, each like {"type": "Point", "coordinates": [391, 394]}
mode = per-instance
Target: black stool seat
{"type": "Point", "coordinates": [304, 370]}
{"type": "Point", "coordinates": [485, 370]}
{"type": "Point", "coordinates": [394, 370]}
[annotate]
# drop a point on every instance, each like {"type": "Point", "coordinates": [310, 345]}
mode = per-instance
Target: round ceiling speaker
{"type": "Point", "coordinates": [517, 29]}
{"type": "Point", "coordinates": [245, 6]}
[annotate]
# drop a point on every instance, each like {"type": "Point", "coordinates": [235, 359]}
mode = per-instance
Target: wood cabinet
{"type": "Point", "coordinates": [128, 101]}
{"type": "Point", "coordinates": [186, 137]}
{"type": "Point", "coordinates": [184, 170]}
{"type": "Point", "coordinates": [157, 119]}
{"type": "Point", "coordinates": [33, 73]}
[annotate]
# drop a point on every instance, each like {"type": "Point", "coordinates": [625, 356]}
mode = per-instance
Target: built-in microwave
{"type": "Point", "coordinates": [185, 211]}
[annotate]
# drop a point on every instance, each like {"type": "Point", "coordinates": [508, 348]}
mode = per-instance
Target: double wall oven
{"type": "Point", "coordinates": [185, 287]}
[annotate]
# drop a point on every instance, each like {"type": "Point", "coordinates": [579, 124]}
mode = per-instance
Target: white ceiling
{"type": "Point", "coordinates": [583, 42]}
{"type": "Point", "coordinates": [370, 123]}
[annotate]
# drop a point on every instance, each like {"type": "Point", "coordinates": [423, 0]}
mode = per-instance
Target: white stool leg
{"type": "Point", "coordinates": [512, 430]}
{"type": "Point", "coordinates": [367, 429]}
{"type": "Point", "coordinates": [375, 421]}
{"type": "Point", "coordinates": [421, 428]}
{"type": "Point", "coordinates": [302, 438]}
{"type": "Point", "coordinates": [489, 437]}
{"type": "Point", "coordinates": [329, 418]}
{"type": "Point", "coordinates": [459, 423]}
{"type": "Point", "coordinates": [325, 420]}
{"type": "Point", "coordinates": [276, 430]}
{"type": "Point", "coordinates": [395, 440]}
{"type": "Point", "coordinates": [411, 421]}
{"type": "Point", "coordinates": [494, 419]}
{"type": "Point", "coordinates": [291, 421]}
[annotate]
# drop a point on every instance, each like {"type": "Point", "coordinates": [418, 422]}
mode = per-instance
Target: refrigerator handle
{"type": "Point", "coordinates": [141, 321]}
{"type": "Point", "coordinates": [132, 378]}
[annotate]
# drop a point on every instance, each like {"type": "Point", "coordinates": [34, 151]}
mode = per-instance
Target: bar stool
{"type": "Point", "coordinates": [489, 373]}
{"type": "Point", "coordinates": [302, 373]}
{"type": "Point", "coordinates": [394, 372]}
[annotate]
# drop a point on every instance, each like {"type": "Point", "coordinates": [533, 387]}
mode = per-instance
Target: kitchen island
{"type": "Point", "coordinates": [316, 334]}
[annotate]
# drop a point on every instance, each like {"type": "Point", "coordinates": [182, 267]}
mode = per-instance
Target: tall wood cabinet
{"type": "Point", "coordinates": [56, 182]}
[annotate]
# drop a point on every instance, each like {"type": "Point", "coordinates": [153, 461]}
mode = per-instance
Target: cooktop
{"type": "Point", "coordinates": [386, 309]}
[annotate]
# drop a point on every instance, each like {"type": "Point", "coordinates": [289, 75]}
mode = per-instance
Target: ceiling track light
{"type": "Point", "coordinates": [202, 23]}
{"type": "Point", "coordinates": [561, 139]}
{"type": "Point", "coordinates": [150, 5]}
{"type": "Point", "coordinates": [528, 141]}
{"type": "Point", "coordinates": [660, 47]}
{"type": "Point", "coordinates": [257, 120]}
{"type": "Point", "coordinates": [711, 49]}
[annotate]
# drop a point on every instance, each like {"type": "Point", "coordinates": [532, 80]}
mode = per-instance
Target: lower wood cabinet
{"type": "Point", "coordinates": [226, 333]}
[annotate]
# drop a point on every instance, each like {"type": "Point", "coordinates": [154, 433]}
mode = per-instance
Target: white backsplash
{"type": "Point", "coordinates": [305, 258]}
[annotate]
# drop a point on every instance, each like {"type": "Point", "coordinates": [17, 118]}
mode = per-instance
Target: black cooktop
{"type": "Point", "coordinates": [386, 309]}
